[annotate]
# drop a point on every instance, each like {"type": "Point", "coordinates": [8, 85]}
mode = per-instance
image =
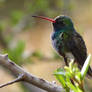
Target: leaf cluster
{"type": "Point", "coordinates": [71, 78]}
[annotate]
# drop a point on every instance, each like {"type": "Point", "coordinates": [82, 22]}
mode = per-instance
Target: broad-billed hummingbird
{"type": "Point", "coordinates": [67, 42]}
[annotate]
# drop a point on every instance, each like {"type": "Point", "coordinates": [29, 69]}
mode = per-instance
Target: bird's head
{"type": "Point", "coordinates": [60, 23]}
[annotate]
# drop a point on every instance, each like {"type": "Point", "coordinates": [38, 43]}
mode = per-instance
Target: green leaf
{"type": "Point", "coordinates": [78, 76]}
{"type": "Point", "coordinates": [60, 71]}
{"type": "Point", "coordinates": [78, 89]}
{"type": "Point", "coordinates": [85, 66]}
{"type": "Point", "coordinates": [70, 85]}
{"type": "Point", "coordinates": [60, 75]}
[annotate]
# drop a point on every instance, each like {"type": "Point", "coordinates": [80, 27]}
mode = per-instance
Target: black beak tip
{"type": "Point", "coordinates": [33, 16]}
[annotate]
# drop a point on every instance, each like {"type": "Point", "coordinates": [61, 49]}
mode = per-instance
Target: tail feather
{"type": "Point", "coordinates": [89, 73]}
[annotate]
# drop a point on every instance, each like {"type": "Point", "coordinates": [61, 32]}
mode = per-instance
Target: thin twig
{"type": "Point", "coordinates": [20, 78]}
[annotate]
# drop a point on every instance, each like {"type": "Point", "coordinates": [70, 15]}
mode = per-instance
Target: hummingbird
{"type": "Point", "coordinates": [67, 42]}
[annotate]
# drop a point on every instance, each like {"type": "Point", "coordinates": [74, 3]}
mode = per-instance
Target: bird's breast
{"type": "Point", "coordinates": [54, 44]}
{"type": "Point", "coordinates": [56, 41]}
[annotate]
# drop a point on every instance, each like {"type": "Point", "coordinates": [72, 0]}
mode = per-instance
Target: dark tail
{"type": "Point", "coordinates": [89, 73]}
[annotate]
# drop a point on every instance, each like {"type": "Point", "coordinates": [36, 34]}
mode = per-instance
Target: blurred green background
{"type": "Point", "coordinates": [27, 40]}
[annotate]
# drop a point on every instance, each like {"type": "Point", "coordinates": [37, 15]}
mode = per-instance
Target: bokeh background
{"type": "Point", "coordinates": [27, 40]}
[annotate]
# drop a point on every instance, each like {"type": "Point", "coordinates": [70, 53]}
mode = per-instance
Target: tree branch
{"type": "Point", "coordinates": [27, 77]}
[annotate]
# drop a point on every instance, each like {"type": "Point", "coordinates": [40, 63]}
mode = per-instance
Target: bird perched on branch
{"type": "Point", "coordinates": [67, 42]}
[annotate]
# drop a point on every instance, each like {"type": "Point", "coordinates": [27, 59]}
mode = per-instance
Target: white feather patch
{"type": "Point", "coordinates": [69, 56]}
{"type": "Point", "coordinates": [61, 34]}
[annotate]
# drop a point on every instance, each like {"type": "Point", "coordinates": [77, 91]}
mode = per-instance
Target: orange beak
{"type": "Point", "coordinates": [45, 18]}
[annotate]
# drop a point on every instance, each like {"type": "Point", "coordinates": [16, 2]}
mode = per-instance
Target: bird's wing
{"type": "Point", "coordinates": [77, 46]}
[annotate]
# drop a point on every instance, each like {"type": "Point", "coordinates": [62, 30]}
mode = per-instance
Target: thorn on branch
{"type": "Point", "coordinates": [18, 79]}
{"type": "Point", "coordinates": [54, 82]}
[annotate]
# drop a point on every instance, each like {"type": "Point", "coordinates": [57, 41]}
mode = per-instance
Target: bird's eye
{"type": "Point", "coordinates": [62, 23]}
